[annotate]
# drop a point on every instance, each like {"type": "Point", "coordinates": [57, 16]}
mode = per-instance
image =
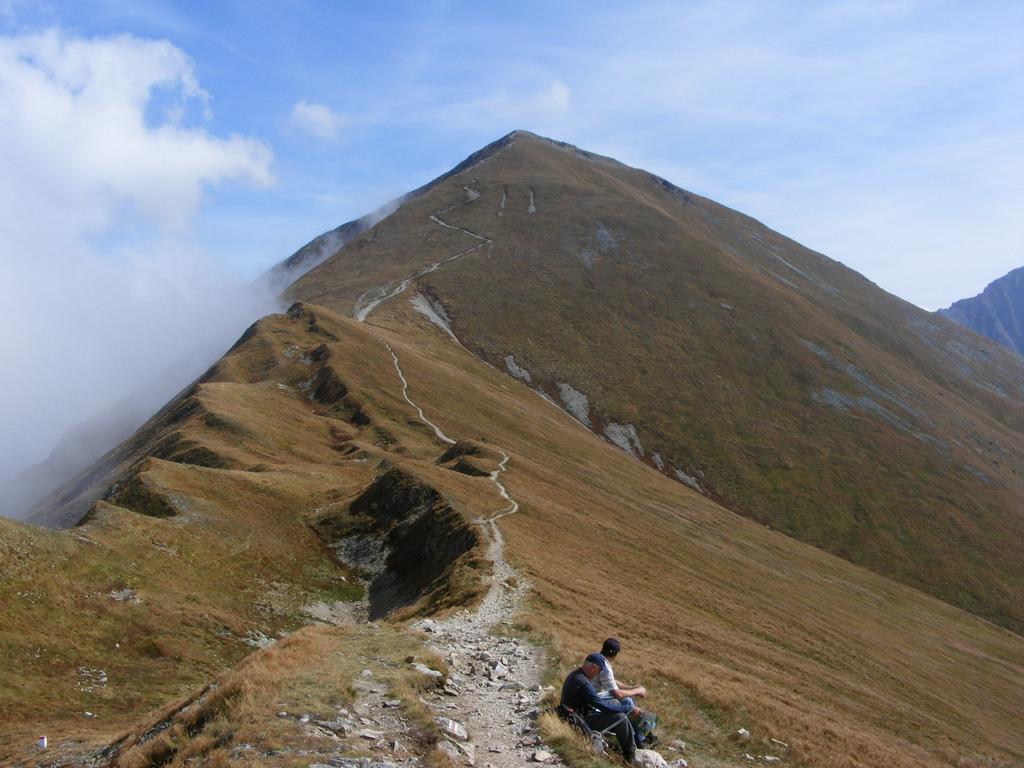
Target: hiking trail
{"type": "Point", "coordinates": [493, 689]}
{"type": "Point", "coordinates": [374, 297]}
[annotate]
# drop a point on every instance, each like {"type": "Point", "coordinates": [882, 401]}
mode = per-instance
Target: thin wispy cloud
{"type": "Point", "coordinates": [514, 107]}
{"type": "Point", "coordinates": [316, 120]}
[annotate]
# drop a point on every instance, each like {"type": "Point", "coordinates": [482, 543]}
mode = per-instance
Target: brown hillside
{"type": "Point", "coordinates": [302, 434]}
{"type": "Point", "coordinates": [775, 380]}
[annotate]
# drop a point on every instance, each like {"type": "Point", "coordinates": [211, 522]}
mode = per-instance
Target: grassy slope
{"type": "Point", "coordinates": [849, 667]}
{"type": "Point", "coordinates": [310, 674]}
{"type": "Point", "coordinates": [237, 556]}
{"type": "Point", "coordinates": [688, 324]}
{"type": "Point", "coordinates": [727, 622]}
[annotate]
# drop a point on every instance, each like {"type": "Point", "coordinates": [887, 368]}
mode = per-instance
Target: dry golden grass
{"type": "Point", "coordinates": [570, 744]}
{"type": "Point", "coordinates": [310, 672]}
{"type": "Point", "coordinates": [237, 556]}
{"type": "Point", "coordinates": [727, 623]}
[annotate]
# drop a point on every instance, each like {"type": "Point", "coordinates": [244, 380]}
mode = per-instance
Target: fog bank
{"type": "Point", "coordinates": [108, 304]}
{"type": "Point", "coordinates": [93, 351]}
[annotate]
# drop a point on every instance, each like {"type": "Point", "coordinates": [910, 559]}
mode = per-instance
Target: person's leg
{"type": "Point", "coordinates": [619, 725]}
{"type": "Point", "coordinates": [628, 707]}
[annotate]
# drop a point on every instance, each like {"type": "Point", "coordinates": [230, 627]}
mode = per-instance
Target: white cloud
{"type": "Point", "coordinates": [317, 120]}
{"type": "Point", "coordinates": [103, 288]}
{"type": "Point", "coordinates": [74, 127]}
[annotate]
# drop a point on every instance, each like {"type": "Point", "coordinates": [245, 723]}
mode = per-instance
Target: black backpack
{"type": "Point", "coordinates": [575, 719]}
{"type": "Point", "coordinates": [598, 742]}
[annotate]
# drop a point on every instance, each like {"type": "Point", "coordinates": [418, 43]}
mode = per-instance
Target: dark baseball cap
{"type": "Point", "coordinates": [610, 647]}
{"type": "Point", "coordinates": [595, 658]}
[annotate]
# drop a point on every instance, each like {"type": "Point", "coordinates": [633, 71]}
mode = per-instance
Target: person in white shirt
{"type": "Point", "coordinates": [608, 687]}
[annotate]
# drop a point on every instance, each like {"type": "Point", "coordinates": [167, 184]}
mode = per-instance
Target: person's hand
{"type": "Point", "coordinates": [636, 712]}
{"type": "Point", "coordinates": [641, 692]}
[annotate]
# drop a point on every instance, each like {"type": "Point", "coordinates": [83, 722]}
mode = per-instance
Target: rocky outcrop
{"type": "Point", "coordinates": [406, 538]}
{"type": "Point", "coordinates": [997, 312]}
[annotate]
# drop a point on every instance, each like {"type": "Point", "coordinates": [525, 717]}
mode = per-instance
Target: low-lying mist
{"type": "Point", "coordinates": [109, 306]}
{"type": "Point", "coordinates": [91, 352]}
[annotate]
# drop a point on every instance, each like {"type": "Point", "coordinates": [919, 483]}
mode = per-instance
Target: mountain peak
{"type": "Point", "coordinates": [669, 325]}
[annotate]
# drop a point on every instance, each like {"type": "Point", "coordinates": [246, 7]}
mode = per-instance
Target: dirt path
{"type": "Point", "coordinates": [373, 298]}
{"type": "Point", "coordinates": [494, 685]}
{"type": "Point", "coordinates": [405, 393]}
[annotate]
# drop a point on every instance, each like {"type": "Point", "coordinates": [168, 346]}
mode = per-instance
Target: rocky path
{"type": "Point", "coordinates": [487, 706]}
{"type": "Point", "coordinates": [494, 687]}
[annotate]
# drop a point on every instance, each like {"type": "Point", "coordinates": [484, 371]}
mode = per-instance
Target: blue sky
{"type": "Point", "coordinates": [886, 134]}
{"type": "Point", "coordinates": [159, 154]}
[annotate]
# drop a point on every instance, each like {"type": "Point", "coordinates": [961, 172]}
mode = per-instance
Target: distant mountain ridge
{"type": "Point", "coordinates": [997, 312]}
{"type": "Point", "coordinates": [322, 247]}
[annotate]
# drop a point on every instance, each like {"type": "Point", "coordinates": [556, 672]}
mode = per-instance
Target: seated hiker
{"type": "Point", "coordinates": [609, 688]}
{"type": "Point", "coordinates": [606, 714]}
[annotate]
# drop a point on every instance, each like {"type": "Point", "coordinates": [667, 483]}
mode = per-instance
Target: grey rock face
{"type": "Point", "coordinates": [997, 312]}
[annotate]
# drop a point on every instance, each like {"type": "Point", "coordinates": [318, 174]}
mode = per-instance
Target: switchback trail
{"type": "Point", "coordinates": [494, 685]}
{"type": "Point", "coordinates": [374, 297]}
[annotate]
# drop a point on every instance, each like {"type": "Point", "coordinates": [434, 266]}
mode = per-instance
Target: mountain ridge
{"type": "Point", "coordinates": [645, 274]}
{"type": "Point", "coordinates": [307, 435]}
{"type": "Point", "coordinates": [312, 467]}
{"type": "Point", "coordinates": [996, 313]}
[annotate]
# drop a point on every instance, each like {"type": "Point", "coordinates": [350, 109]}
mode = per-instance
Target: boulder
{"type": "Point", "coordinates": [423, 669]}
{"type": "Point", "coordinates": [452, 728]}
{"type": "Point", "coordinates": [335, 726]}
{"type": "Point", "coordinates": [648, 758]}
{"type": "Point", "coordinates": [541, 756]}
{"type": "Point", "coordinates": [497, 671]}
{"type": "Point", "coordinates": [467, 749]}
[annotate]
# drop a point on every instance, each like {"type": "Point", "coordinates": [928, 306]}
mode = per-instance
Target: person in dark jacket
{"type": "Point", "coordinates": [579, 695]}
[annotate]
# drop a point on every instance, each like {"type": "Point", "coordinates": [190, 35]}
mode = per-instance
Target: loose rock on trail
{"type": "Point", "coordinates": [487, 707]}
